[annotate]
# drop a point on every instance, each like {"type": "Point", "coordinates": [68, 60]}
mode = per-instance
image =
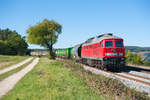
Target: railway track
{"type": "Point", "coordinates": [133, 78]}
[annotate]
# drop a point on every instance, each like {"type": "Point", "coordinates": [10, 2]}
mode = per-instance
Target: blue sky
{"type": "Point", "coordinates": [81, 19]}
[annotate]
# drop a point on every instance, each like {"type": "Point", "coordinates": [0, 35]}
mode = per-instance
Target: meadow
{"type": "Point", "coordinates": [51, 80]}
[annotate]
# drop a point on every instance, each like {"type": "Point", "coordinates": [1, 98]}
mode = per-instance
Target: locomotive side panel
{"type": "Point", "coordinates": [93, 51]}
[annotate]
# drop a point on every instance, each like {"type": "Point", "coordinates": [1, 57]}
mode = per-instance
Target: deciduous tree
{"type": "Point", "coordinates": [45, 34]}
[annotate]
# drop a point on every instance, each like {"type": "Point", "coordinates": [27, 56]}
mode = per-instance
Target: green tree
{"type": "Point", "coordinates": [4, 34]}
{"type": "Point", "coordinates": [11, 43]}
{"type": "Point", "coordinates": [129, 57]}
{"type": "Point", "coordinates": [137, 59]}
{"type": "Point", "coordinates": [17, 44]}
{"type": "Point", "coordinates": [133, 58]}
{"type": "Point", "coordinates": [4, 49]}
{"type": "Point", "coordinates": [45, 34]}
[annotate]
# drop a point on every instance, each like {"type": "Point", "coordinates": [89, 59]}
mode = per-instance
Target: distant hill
{"type": "Point", "coordinates": [137, 48]}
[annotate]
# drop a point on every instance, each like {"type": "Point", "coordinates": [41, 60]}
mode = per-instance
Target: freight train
{"type": "Point", "coordinates": [105, 51]}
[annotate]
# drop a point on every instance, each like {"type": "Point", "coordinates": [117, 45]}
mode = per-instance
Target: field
{"type": "Point", "coordinates": [6, 61]}
{"type": "Point", "coordinates": [67, 80]}
{"type": "Point", "coordinates": [51, 80]}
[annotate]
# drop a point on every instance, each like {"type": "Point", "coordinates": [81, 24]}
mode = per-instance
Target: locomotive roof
{"type": "Point", "coordinates": [100, 38]}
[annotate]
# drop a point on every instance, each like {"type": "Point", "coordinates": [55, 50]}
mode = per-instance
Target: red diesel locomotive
{"type": "Point", "coordinates": [104, 51]}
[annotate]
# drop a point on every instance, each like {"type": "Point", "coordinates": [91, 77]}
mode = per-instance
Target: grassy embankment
{"type": "Point", "coordinates": [50, 80]}
{"type": "Point", "coordinates": [111, 89]}
{"type": "Point", "coordinates": [2, 76]}
{"type": "Point", "coordinates": [6, 61]}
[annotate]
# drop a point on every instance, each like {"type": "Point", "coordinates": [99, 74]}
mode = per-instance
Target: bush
{"type": "Point", "coordinates": [146, 63]}
{"type": "Point", "coordinates": [133, 58]}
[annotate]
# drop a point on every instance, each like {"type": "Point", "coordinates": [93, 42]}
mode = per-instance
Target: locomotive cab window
{"type": "Point", "coordinates": [108, 44]}
{"type": "Point", "coordinates": [118, 44]}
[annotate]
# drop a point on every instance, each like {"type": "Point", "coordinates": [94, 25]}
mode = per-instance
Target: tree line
{"type": "Point", "coordinates": [11, 43]}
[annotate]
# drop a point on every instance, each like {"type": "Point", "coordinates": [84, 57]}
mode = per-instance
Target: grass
{"type": "Point", "coordinates": [2, 76]}
{"type": "Point", "coordinates": [11, 60]}
{"type": "Point", "coordinates": [110, 89]}
{"type": "Point", "coordinates": [50, 80]}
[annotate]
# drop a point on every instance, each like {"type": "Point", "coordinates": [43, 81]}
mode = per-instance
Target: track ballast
{"type": "Point", "coordinates": [138, 79]}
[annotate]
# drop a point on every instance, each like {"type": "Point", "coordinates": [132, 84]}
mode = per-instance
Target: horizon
{"type": "Point", "coordinates": [81, 20]}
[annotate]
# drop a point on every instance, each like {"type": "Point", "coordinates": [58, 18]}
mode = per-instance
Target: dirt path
{"type": "Point", "coordinates": [15, 66]}
{"type": "Point", "coordinates": [9, 82]}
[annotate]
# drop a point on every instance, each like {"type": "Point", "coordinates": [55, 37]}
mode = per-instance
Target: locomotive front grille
{"type": "Point", "coordinates": [114, 62]}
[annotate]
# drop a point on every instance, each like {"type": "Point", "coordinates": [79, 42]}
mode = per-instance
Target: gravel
{"type": "Point", "coordinates": [129, 83]}
{"type": "Point", "coordinates": [140, 74]}
{"type": "Point", "coordinates": [145, 80]}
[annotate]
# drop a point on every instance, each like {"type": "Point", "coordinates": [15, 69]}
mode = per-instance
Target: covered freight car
{"type": "Point", "coordinates": [64, 53]}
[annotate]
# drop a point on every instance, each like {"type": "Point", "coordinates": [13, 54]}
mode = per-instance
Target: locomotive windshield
{"type": "Point", "coordinates": [119, 43]}
{"type": "Point", "coordinates": [108, 44]}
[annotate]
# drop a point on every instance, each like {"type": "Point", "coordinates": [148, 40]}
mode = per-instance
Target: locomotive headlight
{"type": "Point", "coordinates": [122, 58]}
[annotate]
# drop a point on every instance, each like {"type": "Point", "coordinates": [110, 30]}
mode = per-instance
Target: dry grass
{"type": "Point", "coordinates": [4, 63]}
{"type": "Point", "coordinates": [111, 89]}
